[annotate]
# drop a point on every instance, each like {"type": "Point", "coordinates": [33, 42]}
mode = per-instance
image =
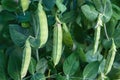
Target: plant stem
{"type": "Point", "coordinates": [37, 55]}
{"type": "Point", "coordinates": [106, 32]}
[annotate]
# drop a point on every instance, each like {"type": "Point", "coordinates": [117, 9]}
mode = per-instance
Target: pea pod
{"type": "Point", "coordinates": [57, 43]}
{"type": "Point", "coordinates": [97, 34]}
{"type": "Point", "coordinates": [24, 4]}
{"type": "Point", "coordinates": [67, 39]}
{"type": "Point", "coordinates": [26, 58]}
{"type": "Point", "coordinates": [110, 58]}
{"type": "Point", "coordinates": [41, 27]}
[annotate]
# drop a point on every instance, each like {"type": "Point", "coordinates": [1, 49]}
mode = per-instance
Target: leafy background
{"type": "Point", "coordinates": [77, 61]}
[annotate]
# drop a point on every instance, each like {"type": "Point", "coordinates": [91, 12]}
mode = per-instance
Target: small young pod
{"type": "Point", "coordinates": [57, 43]}
{"type": "Point", "coordinates": [67, 38]}
{"type": "Point", "coordinates": [24, 4]}
{"type": "Point", "coordinates": [110, 58]}
{"type": "Point", "coordinates": [97, 34]}
{"type": "Point", "coordinates": [96, 39]}
{"type": "Point", "coordinates": [26, 59]}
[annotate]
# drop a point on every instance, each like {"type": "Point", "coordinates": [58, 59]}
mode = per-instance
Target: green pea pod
{"type": "Point", "coordinates": [67, 39]}
{"type": "Point", "coordinates": [26, 59]}
{"type": "Point", "coordinates": [97, 34]}
{"type": "Point", "coordinates": [97, 38]}
{"type": "Point", "coordinates": [41, 27]}
{"type": "Point", "coordinates": [57, 43]}
{"type": "Point", "coordinates": [24, 4]}
{"type": "Point", "coordinates": [110, 58]}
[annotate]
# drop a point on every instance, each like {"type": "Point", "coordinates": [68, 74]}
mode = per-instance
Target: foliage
{"type": "Point", "coordinates": [59, 39]}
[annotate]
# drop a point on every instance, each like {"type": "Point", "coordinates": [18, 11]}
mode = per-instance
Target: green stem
{"type": "Point", "coordinates": [106, 32]}
{"type": "Point", "coordinates": [37, 55]}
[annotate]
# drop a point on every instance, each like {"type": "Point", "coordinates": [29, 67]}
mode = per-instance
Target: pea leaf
{"type": "Point", "coordinates": [14, 64]}
{"type": "Point", "coordinates": [89, 12]}
{"type": "Point", "coordinates": [32, 65]}
{"type": "Point", "coordinates": [3, 75]}
{"type": "Point", "coordinates": [18, 34]}
{"type": "Point", "coordinates": [60, 77]}
{"type": "Point", "coordinates": [38, 76]}
{"type": "Point", "coordinates": [91, 70]}
{"type": "Point", "coordinates": [107, 12]}
{"type": "Point", "coordinates": [24, 18]}
{"type": "Point", "coordinates": [70, 65]}
{"type": "Point", "coordinates": [98, 5]}
{"type": "Point", "coordinates": [41, 66]}
{"type": "Point", "coordinates": [60, 6]}
{"type": "Point", "coordinates": [67, 16]}
{"type": "Point", "coordinates": [49, 4]}
{"type": "Point", "coordinates": [6, 16]}
{"type": "Point", "coordinates": [117, 37]}
{"type": "Point", "coordinates": [116, 12]}
{"type": "Point", "coordinates": [10, 5]}
{"type": "Point", "coordinates": [81, 53]}
{"type": "Point", "coordinates": [91, 58]}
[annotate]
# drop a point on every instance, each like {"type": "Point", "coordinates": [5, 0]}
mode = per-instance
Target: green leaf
{"type": "Point", "coordinates": [41, 66]}
{"type": "Point", "coordinates": [60, 77]}
{"type": "Point", "coordinates": [17, 34]}
{"type": "Point", "coordinates": [14, 64]}
{"type": "Point", "coordinates": [3, 75]}
{"type": "Point", "coordinates": [6, 16]}
{"type": "Point", "coordinates": [70, 65]}
{"type": "Point", "coordinates": [107, 12]}
{"type": "Point", "coordinates": [117, 37]}
{"type": "Point", "coordinates": [67, 16]}
{"type": "Point", "coordinates": [38, 76]}
{"type": "Point", "coordinates": [32, 66]}
{"type": "Point", "coordinates": [116, 12]}
{"type": "Point", "coordinates": [81, 53]}
{"type": "Point", "coordinates": [91, 70]}
{"type": "Point", "coordinates": [24, 18]}
{"type": "Point", "coordinates": [111, 27]}
{"type": "Point", "coordinates": [89, 12]}
{"type": "Point", "coordinates": [107, 43]}
{"type": "Point", "coordinates": [10, 5]}
{"type": "Point", "coordinates": [90, 57]}
{"type": "Point", "coordinates": [49, 4]}
{"type": "Point", "coordinates": [98, 5]}
{"type": "Point", "coordinates": [60, 6]}
{"type": "Point", "coordinates": [102, 66]}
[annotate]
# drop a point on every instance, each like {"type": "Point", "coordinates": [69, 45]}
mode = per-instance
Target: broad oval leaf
{"type": "Point", "coordinates": [117, 37]}
{"type": "Point", "coordinates": [32, 66]}
{"type": "Point", "coordinates": [38, 76]}
{"type": "Point", "coordinates": [18, 34]}
{"type": "Point", "coordinates": [116, 12]}
{"type": "Point", "coordinates": [6, 16]}
{"type": "Point", "coordinates": [14, 64]}
{"type": "Point", "coordinates": [107, 12]}
{"type": "Point", "coordinates": [41, 66]}
{"type": "Point", "coordinates": [98, 5]}
{"type": "Point", "coordinates": [10, 5]}
{"type": "Point", "coordinates": [91, 58]}
{"type": "Point", "coordinates": [81, 54]}
{"type": "Point", "coordinates": [89, 12]}
{"type": "Point", "coordinates": [91, 70]}
{"type": "Point", "coordinates": [60, 77]}
{"type": "Point", "coordinates": [49, 4]}
{"type": "Point", "coordinates": [71, 65]}
{"type": "Point", "coordinates": [3, 75]}
{"type": "Point", "coordinates": [60, 5]}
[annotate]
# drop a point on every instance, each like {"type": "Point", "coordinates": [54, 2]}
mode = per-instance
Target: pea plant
{"type": "Point", "coordinates": [59, 39]}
